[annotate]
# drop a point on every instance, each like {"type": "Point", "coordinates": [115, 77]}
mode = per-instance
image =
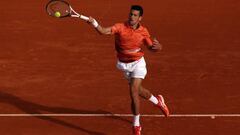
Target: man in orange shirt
{"type": "Point", "coordinates": [129, 37]}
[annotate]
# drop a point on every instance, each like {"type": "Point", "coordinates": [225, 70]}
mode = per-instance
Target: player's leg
{"type": "Point", "coordinates": [158, 101]}
{"type": "Point", "coordinates": [138, 74]}
{"type": "Point", "coordinates": [144, 93]}
{"type": "Point", "coordinates": [135, 84]}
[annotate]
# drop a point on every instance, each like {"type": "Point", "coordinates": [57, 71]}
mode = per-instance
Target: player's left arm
{"type": "Point", "coordinates": [156, 46]}
{"type": "Point", "coordinates": [153, 45]}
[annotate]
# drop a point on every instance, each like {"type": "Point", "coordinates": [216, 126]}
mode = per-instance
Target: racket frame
{"type": "Point", "coordinates": [72, 12]}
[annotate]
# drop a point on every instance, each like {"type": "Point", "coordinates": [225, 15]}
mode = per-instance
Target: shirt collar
{"type": "Point", "coordinates": [140, 27]}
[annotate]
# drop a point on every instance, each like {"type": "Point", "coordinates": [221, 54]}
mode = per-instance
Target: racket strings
{"type": "Point", "coordinates": [58, 6]}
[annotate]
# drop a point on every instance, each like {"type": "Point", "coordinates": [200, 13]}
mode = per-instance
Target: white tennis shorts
{"type": "Point", "coordinates": [136, 69]}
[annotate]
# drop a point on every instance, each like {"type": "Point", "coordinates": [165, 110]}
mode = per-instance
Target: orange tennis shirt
{"type": "Point", "coordinates": [128, 41]}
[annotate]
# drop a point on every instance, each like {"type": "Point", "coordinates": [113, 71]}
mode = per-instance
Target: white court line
{"type": "Point", "coordinates": [117, 115]}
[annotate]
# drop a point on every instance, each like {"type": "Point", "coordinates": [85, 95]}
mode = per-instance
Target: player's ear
{"type": "Point", "coordinates": [140, 18]}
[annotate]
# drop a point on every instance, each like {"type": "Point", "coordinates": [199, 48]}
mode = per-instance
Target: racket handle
{"type": "Point", "coordinates": [84, 17]}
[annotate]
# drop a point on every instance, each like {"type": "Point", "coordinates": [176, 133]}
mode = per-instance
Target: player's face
{"type": "Point", "coordinates": [134, 17]}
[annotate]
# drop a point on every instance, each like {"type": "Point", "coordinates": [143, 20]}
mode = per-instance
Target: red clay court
{"type": "Point", "coordinates": [58, 76]}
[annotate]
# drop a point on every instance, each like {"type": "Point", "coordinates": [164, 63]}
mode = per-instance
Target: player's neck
{"type": "Point", "coordinates": [136, 26]}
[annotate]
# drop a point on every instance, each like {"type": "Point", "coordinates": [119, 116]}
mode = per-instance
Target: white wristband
{"type": "Point", "coordinates": [95, 23]}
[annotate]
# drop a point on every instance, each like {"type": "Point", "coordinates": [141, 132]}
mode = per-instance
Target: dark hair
{"type": "Point", "coordinates": [138, 8]}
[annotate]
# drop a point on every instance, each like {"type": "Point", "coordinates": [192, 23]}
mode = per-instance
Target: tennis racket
{"type": "Point", "coordinates": [61, 9]}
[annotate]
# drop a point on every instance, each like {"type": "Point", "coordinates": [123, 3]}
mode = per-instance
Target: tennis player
{"type": "Point", "coordinates": [130, 36]}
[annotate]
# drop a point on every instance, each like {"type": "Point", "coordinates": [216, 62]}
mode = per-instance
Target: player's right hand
{"type": "Point", "coordinates": [93, 22]}
{"type": "Point", "coordinates": [90, 20]}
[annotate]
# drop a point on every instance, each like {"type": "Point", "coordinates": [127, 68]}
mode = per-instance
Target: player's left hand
{"type": "Point", "coordinates": [156, 45]}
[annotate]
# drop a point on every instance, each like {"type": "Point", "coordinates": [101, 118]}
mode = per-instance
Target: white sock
{"type": "Point", "coordinates": [136, 120]}
{"type": "Point", "coordinates": [153, 99]}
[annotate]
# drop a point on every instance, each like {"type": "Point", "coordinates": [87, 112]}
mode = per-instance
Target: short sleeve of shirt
{"type": "Point", "coordinates": [147, 38]}
{"type": "Point", "coordinates": [116, 28]}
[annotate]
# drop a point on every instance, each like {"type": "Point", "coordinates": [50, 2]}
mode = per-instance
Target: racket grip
{"type": "Point", "coordinates": [84, 17]}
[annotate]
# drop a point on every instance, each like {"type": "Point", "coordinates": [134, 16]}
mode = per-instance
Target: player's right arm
{"type": "Point", "coordinates": [104, 31]}
{"type": "Point", "coordinates": [99, 28]}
